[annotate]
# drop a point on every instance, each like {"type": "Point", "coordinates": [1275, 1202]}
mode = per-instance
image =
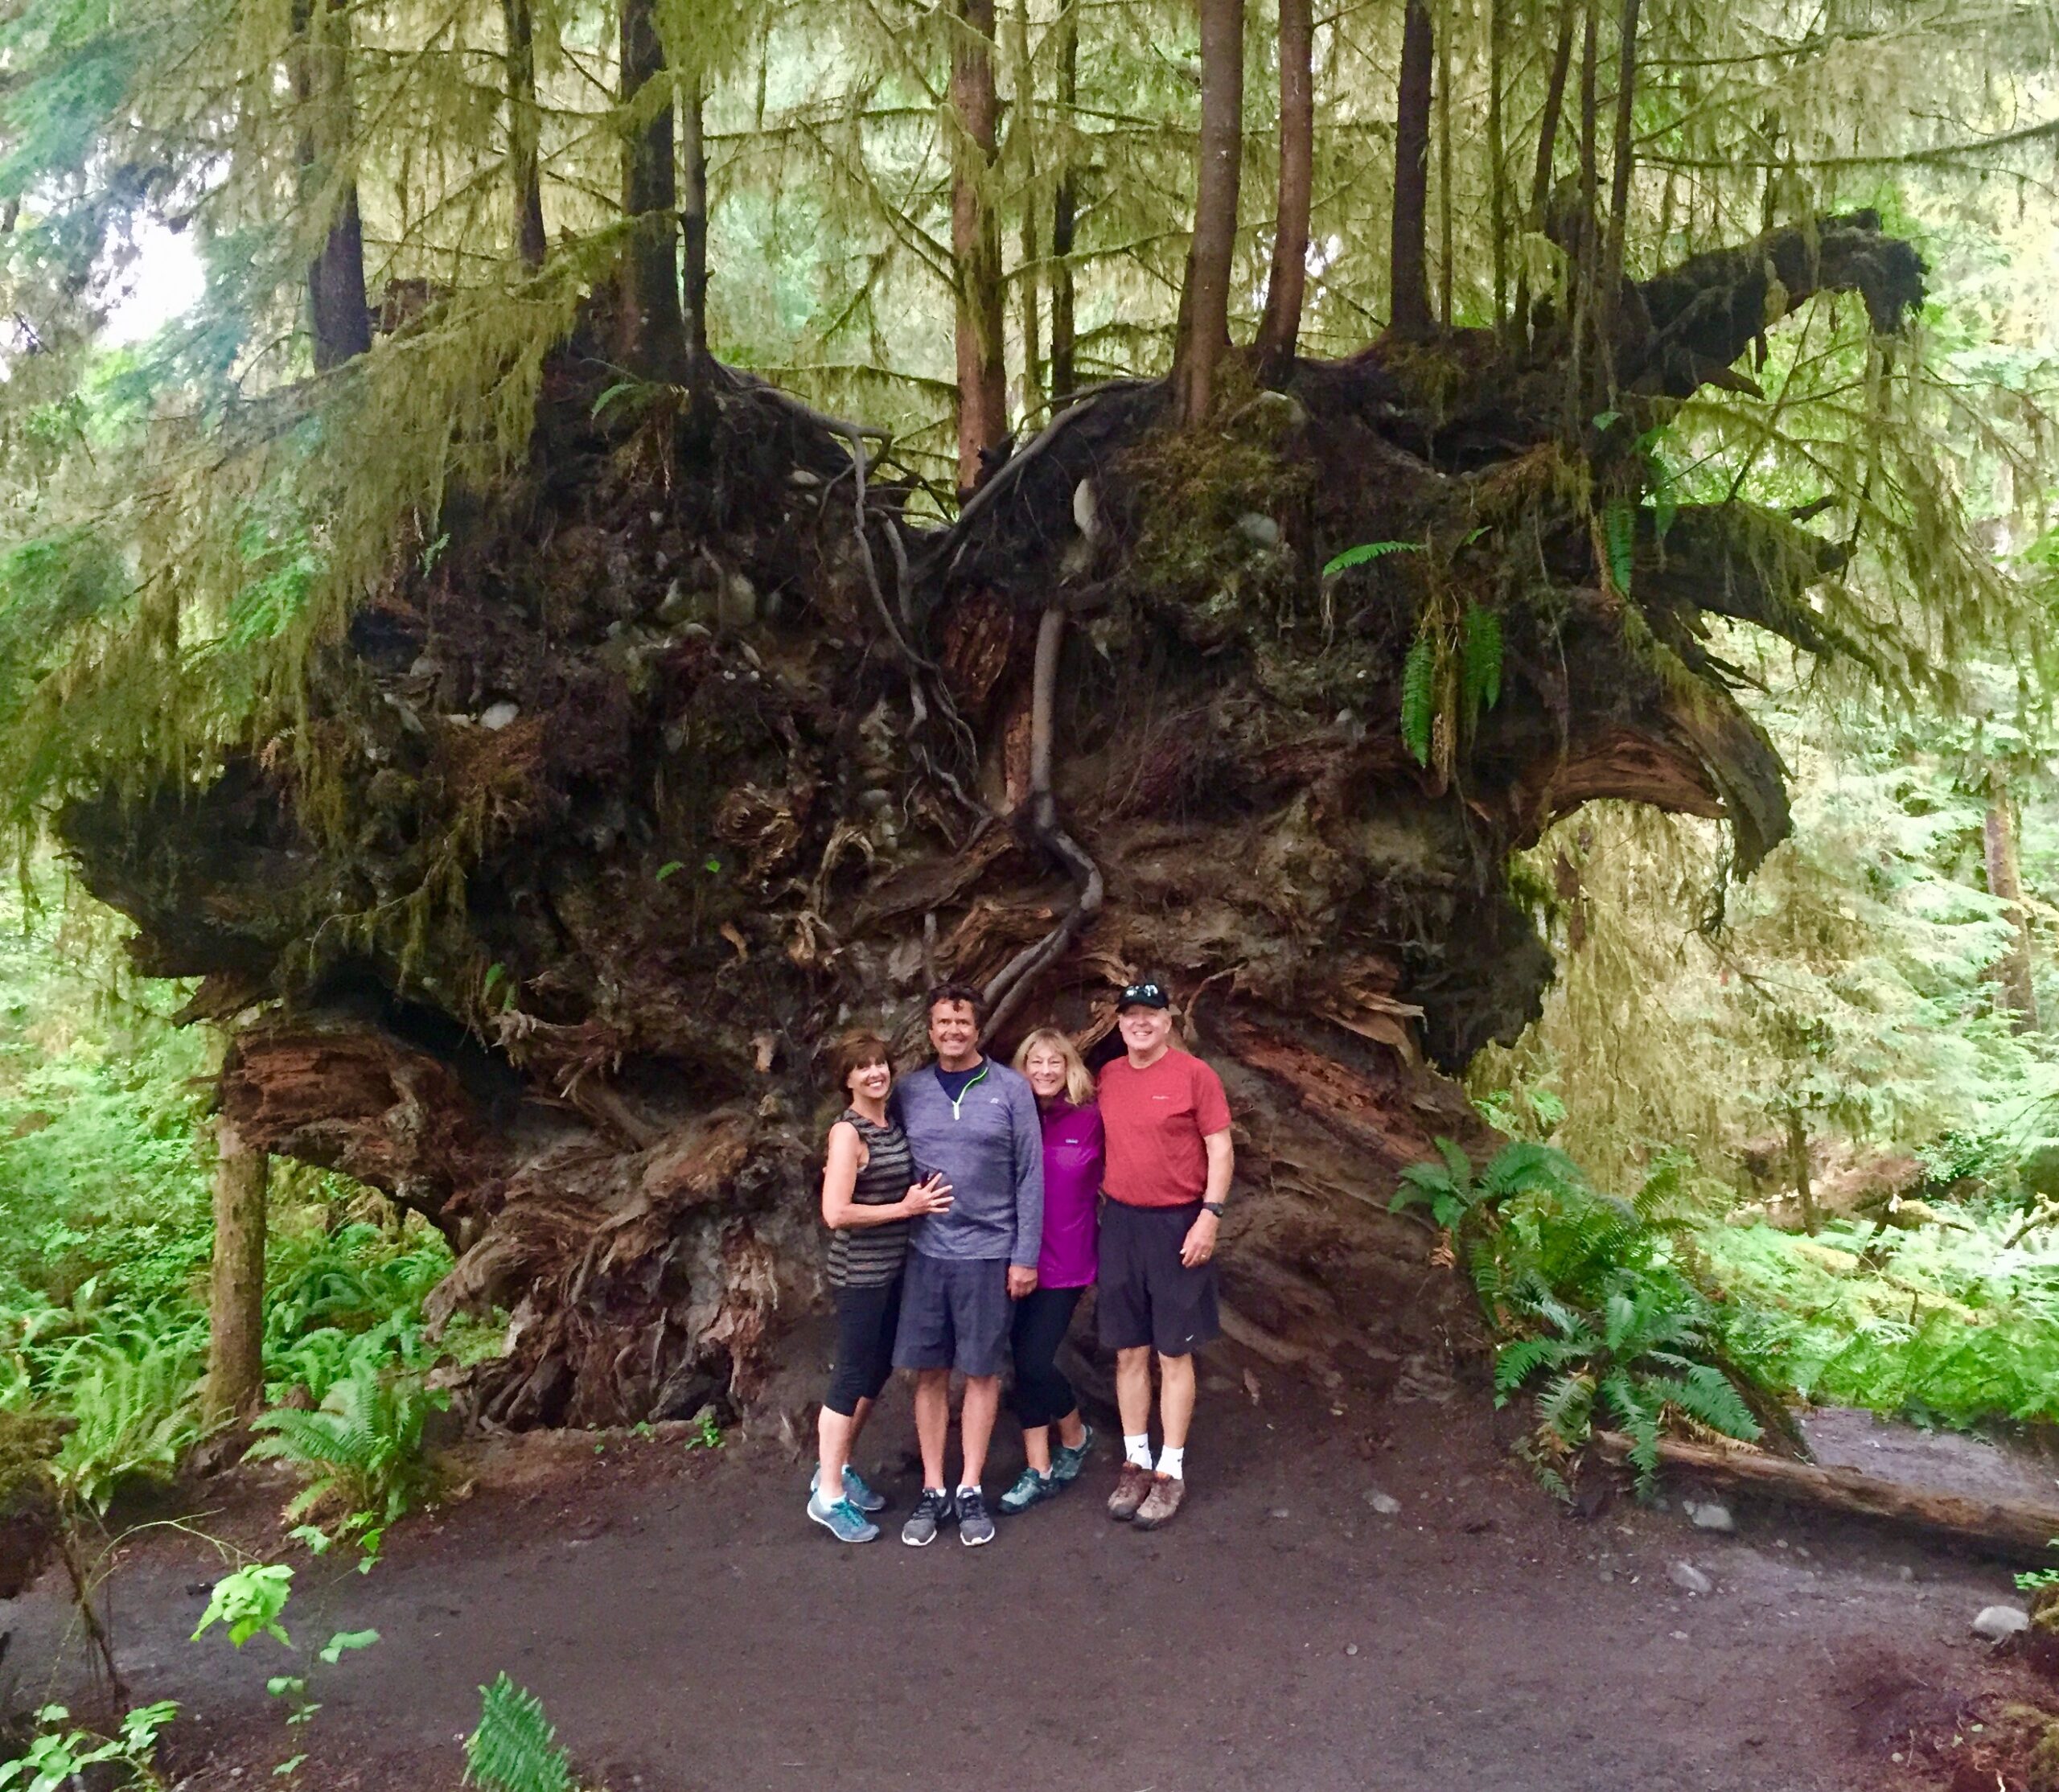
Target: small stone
{"type": "Point", "coordinates": [1385, 1504]}
{"type": "Point", "coordinates": [1711, 1514]}
{"type": "Point", "coordinates": [1904, 1573]}
{"type": "Point", "coordinates": [1277, 1512]}
{"type": "Point", "coordinates": [1608, 1577]}
{"type": "Point", "coordinates": [1351, 1648]}
{"type": "Point", "coordinates": [1680, 1636]}
{"type": "Point", "coordinates": [1690, 1579]}
{"type": "Point", "coordinates": [497, 716]}
{"type": "Point", "coordinates": [1997, 1623]}
{"type": "Point", "coordinates": [1259, 529]}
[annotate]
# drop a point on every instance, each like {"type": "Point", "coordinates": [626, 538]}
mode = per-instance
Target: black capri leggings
{"type": "Point", "coordinates": [866, 1320]}
{"type": "Point", "coordinates": [1043, 1394]}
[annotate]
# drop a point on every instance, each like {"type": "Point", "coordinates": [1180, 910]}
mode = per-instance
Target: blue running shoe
{"type": "Point", "coordinates": [855, 1489]}
{"type": "Point", "coordinates": [1067, 1462]}
{"type": "Point", "coordinates": [1028, 1489]}
{"type": "Point", "coordinates": [842, 1520]}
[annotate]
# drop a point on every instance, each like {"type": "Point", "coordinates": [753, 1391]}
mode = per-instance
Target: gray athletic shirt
{"type": "Point", "coordinates": [989, 1146]}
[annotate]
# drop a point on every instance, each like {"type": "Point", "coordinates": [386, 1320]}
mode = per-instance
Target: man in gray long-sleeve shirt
{"type": "Point", "coordinates": [974, 1121]}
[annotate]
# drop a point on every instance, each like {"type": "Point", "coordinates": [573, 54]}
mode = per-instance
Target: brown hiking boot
{"type": "Point", "coordinates": [1161, 1502]}
{"type": "Point", "coordinates": [1132, 1486]}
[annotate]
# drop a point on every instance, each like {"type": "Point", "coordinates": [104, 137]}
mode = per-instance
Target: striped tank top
{"type": "Point", "coordinates": [870, 1256]}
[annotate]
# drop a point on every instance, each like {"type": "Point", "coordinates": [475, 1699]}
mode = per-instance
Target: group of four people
{"type": "Point", "coordinates": [970, 1205]}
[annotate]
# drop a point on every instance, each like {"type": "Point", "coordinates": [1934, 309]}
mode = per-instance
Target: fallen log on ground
{"type": "Point", "coordinates": [2015, 1525]}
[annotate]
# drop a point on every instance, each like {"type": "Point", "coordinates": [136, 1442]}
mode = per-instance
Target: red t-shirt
{"type": "Point", "coordinates": [1154, 1121]}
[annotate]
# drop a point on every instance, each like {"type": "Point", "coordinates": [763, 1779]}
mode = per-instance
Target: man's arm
{"type": "Point", "coordinates": [1199, 1244]}
{"type": "Point", "coordinates": [1028, 1147]}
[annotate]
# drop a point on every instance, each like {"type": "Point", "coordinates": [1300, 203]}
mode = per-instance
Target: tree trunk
{"type": "Point", "coordinates": [337, 315]}
{"type": "Point", "coordinates": [1279, 329]}
{"type": "Point", "coordinates": [1205, 297]}
{"type": "Point", "coordinates": [1025, 175]}
{"type": "Point", "coordinates": [523, 168]}
{"type": "Point", "coordinates": [1798, 1169]}
{"type": "Point", "coordinates": [2014, 987]}
{"type": "Point", "coordinates": [693, 219]}
{"type": "Point", "coordinates": [1446, 254]}
{"type": "Point", "coordinates": [1548, 139]}
{"type": "Point", "coordinates": [1408, 273]}
{"type": "Point", "coordinates": [976, 249]}
{"type": "Point", "coordinates": [652, 327]}
{"type": "Point", "coordinates": [1065, 377]}
{"type": "Point", "coordinates": [1624, 149]}
{"type": "Point", "coordinates": [235, 1387]}
{"type": "Point", "coordinates": [1497, 222]}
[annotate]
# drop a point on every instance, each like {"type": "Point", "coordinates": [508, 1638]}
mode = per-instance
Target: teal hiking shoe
{"type": "Point", "coordinates": [1028, 1489]}
{"type": "Point", "coordinates": [842, 1520]}
{"type": "Point", "coordinates": [855, 1489]}
{"type": "Point", "coordinates": [1066, 1462]}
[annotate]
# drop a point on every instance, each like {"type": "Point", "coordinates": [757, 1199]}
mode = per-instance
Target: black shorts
{"type": "Point", "coordinates": [955, 1314]}
{"type": "Point", "coordinates": [866, 1321]}
{"type": "Point", "coordinates": [1146, 1295]}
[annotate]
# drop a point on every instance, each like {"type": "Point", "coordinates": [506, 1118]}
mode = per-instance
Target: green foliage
{"type": "Point", "coordinates": [250, 1601]}
{"type": "Point", "coordinates": [1481, 674]}
{"type": "Point", "coordinates": [515, 1748]}
{"type": "Point", "coordinates": [1419, 695]}
{"type": "Point", "coordinates": [360, 1450]}
{"type": "Point", "coordinates": [58, 1755]}
{"type": "Point", "coordinates": [132, 1398]}
{"type": "Point", "coordinates": [1364, 552]}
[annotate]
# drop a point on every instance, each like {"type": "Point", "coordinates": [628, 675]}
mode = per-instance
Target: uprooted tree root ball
{"type": "Point", "coordinates": [645, 771]}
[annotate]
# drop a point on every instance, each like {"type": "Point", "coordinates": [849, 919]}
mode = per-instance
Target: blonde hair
{"type": "Point", "coordinates": [1078, 1079]}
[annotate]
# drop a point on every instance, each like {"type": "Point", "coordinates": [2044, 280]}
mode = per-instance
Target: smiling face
{"type": "Point", "coordinates": [1045, 1068]}
{"type": "Point", "coordinates": [955, 1034]}
{"type": "Point", "coordinates": [871, 1081]}
{"type": "Point", "coordinates": [1145, 1031]}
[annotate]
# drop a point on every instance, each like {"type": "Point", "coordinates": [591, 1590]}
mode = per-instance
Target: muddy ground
{"type": "Point", "coordinates": [687, 1629]}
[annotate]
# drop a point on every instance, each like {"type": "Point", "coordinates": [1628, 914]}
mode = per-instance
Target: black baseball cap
{"type": "Point", "coordinates": [1141, 995]}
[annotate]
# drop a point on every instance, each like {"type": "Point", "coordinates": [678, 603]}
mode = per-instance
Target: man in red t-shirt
{"type": "Point", "coordinates": [1167, 1126]}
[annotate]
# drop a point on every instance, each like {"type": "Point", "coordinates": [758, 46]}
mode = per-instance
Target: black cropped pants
{"type": "Point", "coordinates": [1043, 1394]}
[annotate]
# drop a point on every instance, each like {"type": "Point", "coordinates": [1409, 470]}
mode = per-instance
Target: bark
{"type": "Point", "coordinates": [523, 168]}
{"type": "Point", "coordinates": [1065, 376]}
{"type": "Point", "coordinates": [2005, 883]}
{"type": "Point", "coordinates": [1445, 254]}
{"type": "Point", "coordinates": [2017, 1526]}
{"type": "Point", "coordinates": [1623, 147]}
{"type": "Point", "coordinates": [1547, 139]}
{"type": "Point", "coordinates": [976, 249]}
{"type": "Point", "coordinates": [652, 327]}
{"type": "Point", "coordinates": [734, 811]}
{"type": "Point", "coordinates": [339, 319]}
{"type": "Point", "coordinates": [1497, 156]}
{"type": "Point", "coordinates": [1205, 297]}
{"type": "Point", "coordinates": [1798, 1169]}
{"type": "Point", "coordinates": [1408, 273]}
{"type": "Point", "coordinates": [1032, 249]}
{"type": "Point", "coordinates": [1280, 328]}
{"type": "Point", "coordinates": [693, 220]}
{"type": "Point", "coordinates": [235, 1386]}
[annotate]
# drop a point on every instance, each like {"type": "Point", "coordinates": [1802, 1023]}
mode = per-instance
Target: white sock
{"type": "Point", "coordinates": [966, 1487]}
{"type": "Point", "coordinates": [1137, 1449]}
{"type": "Point", "coordinates": [1171, 1460]}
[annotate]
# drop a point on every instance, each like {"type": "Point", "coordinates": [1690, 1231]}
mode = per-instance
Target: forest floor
{"type": "Point", "coordinates": [687, 1629]}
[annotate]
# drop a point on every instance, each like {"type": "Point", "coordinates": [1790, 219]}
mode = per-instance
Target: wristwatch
{"type": "Point", "coordinates": [1214, 1207]}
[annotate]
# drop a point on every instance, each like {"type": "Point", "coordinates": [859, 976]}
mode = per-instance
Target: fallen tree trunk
{"type": "Point", "coordinates": [2017, 1526]}
{"type": "Point", "coordinates": [647, 771]}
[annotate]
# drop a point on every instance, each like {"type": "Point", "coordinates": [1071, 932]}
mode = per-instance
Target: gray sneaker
{"type": "Point", "coordinates": [976, 1526]}
{"type": "Point", "coordinates": [931, 1510]}
{"type": "Point", "coordinates": [855, 1489]}
{"type": "Point", "coordinates": [842, 1520]}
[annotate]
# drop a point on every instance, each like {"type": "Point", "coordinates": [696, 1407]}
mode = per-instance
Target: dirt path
{"type": "Point", "coordinates": [687, 1629]}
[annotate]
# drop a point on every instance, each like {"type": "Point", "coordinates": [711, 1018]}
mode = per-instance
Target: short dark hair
{"type": "Point", "coordinates": [853, 1052]}
{"type": "Point", "coordinates": [955, 992]}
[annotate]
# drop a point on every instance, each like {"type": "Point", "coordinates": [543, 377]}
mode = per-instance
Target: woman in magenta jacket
{"type": "Point", "coordinates": [1064, 1089]}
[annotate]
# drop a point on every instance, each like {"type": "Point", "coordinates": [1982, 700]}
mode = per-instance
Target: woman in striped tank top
{"type": "Point", "coordinates": [869, 1195]}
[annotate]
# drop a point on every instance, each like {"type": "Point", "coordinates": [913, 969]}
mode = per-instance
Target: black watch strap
{"type": "Point", "coordinates": [1214, 1207]}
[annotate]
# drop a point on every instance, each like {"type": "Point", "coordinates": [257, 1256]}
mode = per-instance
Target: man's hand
{"type": "Point", "coordinates": [1021, 1282]}
{"type": "Point", "coordinates": [1198, 1246]}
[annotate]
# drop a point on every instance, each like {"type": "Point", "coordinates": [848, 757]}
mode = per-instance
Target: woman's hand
{"type": "Point", "coordinates": [932, 1195]}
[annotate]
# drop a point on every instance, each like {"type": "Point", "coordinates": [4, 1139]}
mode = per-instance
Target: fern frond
{"type": "Point", "coordinates": [1418, 697]}
{"type": "Point", "coordinates": [515, 1748]}
{"type": "Point", "coordinates": [1481, 677]}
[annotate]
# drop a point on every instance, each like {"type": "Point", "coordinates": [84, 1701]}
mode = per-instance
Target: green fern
{"type": "Point", "coordinates": [361, 1449]}
{"type": "Point", "coordinates": [1418, 700]}
{"type": "Point", "coordinates": [1481, 674]}
{"type": "Point", "coordinates": [1619, 521]}
{"type": "Point", "coordinates": [1365, 551]}
{"type": "Point", "coordinates": [515, 1749]}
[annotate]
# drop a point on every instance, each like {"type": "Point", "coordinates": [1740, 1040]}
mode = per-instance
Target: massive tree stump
{"type": "Point", "coordinates": [667, 758]}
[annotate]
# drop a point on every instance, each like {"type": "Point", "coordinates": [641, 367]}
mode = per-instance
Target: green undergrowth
{"type": "Point", "coordinates": [1947, 1323]}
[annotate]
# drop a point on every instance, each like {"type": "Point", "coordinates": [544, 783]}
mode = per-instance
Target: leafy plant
{"type": "Point", "coordinates": [361, 1450]}
{"type": "Point", "coordinates": [132, 1400]}
{"type": "Point", "coordinates": [250, 1600]}
{"type": "Point", "coordinates": [515, 1748]}
{"type": "Point", "coordinates": [58, 1755]}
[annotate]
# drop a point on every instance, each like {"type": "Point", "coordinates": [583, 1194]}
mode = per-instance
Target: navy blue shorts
{"type": "Point", "coordinates": [1146, 1295]}
{"type": "Point", "coordinates": [955, 1314]}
